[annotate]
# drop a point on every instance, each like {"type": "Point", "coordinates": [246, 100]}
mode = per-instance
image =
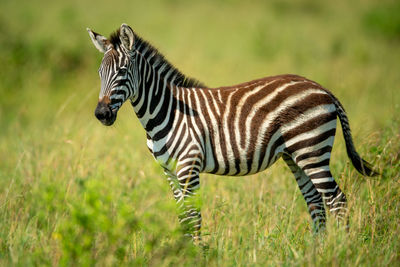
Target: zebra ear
{"type": "Point", "coordinates": [126, 36]}
{"type": "Point", "coordinates": [99, 41]}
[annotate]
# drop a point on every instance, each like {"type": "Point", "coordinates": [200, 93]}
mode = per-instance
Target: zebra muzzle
{"type": "Point", "coordinates": [105, 114]}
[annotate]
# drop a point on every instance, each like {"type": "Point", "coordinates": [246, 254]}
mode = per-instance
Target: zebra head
{"type": "Point", "coordinates": [116, 72]}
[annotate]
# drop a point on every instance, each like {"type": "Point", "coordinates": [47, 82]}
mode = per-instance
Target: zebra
{"type": "Point", "coordinates": [235, 130]}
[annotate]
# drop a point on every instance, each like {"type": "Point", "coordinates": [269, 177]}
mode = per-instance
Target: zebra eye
{"type": "Point", "coordinates": [122, 71]}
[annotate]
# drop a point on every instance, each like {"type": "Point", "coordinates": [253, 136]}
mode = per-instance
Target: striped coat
{"type": "Point", "coordinates": [236, 130]}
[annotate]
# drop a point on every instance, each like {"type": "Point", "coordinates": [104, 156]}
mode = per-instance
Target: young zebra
{"type": "Point", "coordinates": [236, 130]}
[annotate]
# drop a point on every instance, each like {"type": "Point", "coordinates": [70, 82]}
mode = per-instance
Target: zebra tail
{"type": "Point", "coordinates": [360, 164]}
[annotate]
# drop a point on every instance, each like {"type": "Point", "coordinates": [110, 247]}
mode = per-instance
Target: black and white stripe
{"type": "Point", "coordinates": [236, 130]}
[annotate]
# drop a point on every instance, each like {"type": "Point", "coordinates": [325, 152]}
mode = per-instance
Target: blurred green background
{"type": "Point", "coordinates": [75, 192]}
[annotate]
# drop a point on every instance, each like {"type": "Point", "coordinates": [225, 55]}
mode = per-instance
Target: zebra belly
{"type": "Point", "coordinates": [246, 162]}
{"type": "Point", "coordinates": [242, 171]}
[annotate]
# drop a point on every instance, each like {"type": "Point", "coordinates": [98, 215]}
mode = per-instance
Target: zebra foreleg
{"type": "Point", "coordinates": [312, 197]}
{"type": "Point", "coordinates": [190, 216]}
{"type": "Point", "coordinates": [173, 183]}
{"type": "Point", "coordinates": [184, 187]}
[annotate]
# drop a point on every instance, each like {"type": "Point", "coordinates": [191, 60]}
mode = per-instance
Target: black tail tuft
{"type": "Point", "coordinates": [361, 165]}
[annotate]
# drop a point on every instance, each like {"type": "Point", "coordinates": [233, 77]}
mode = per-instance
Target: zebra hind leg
{"type": "Point", "coordinates": [315, 164]}
{"type": "Point", "coordinates": [311, 195]}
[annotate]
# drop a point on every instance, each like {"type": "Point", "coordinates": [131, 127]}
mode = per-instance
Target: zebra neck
{"type": "Point", "coordinates": [159, 63]}
{"type": "Point", "coordinates": [159, 81]}
{"type": "Point", "coordinates": [154, 102]}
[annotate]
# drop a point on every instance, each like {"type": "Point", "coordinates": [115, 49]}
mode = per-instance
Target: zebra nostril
{"type": "Point", "coordinates": [98, 114]}
{"type": "Point", "coordinates": [107, 113]}
{"type": "Point", "coordinates": [102, 113]}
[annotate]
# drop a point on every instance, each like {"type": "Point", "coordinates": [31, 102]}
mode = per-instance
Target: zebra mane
{"type": "Point", "coordinates": [158, 59]}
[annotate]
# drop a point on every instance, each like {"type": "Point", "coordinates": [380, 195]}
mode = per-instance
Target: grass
{"type": "Point", "coordinates": [73, 192]}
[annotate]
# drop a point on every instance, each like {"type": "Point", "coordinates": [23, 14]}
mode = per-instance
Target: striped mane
{"type": "Point", "coordinates": [159, 60]}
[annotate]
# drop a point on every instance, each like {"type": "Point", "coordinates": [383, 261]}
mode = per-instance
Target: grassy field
{"type": "Point", "coordinates": [73, 192]}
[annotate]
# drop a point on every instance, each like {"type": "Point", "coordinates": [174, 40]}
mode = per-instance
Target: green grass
{"type": "Point", "coordinates": [73, 192]}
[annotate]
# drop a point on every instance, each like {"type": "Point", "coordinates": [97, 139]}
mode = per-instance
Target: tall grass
{"type": "Point", "coordinates": [73, 192]}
